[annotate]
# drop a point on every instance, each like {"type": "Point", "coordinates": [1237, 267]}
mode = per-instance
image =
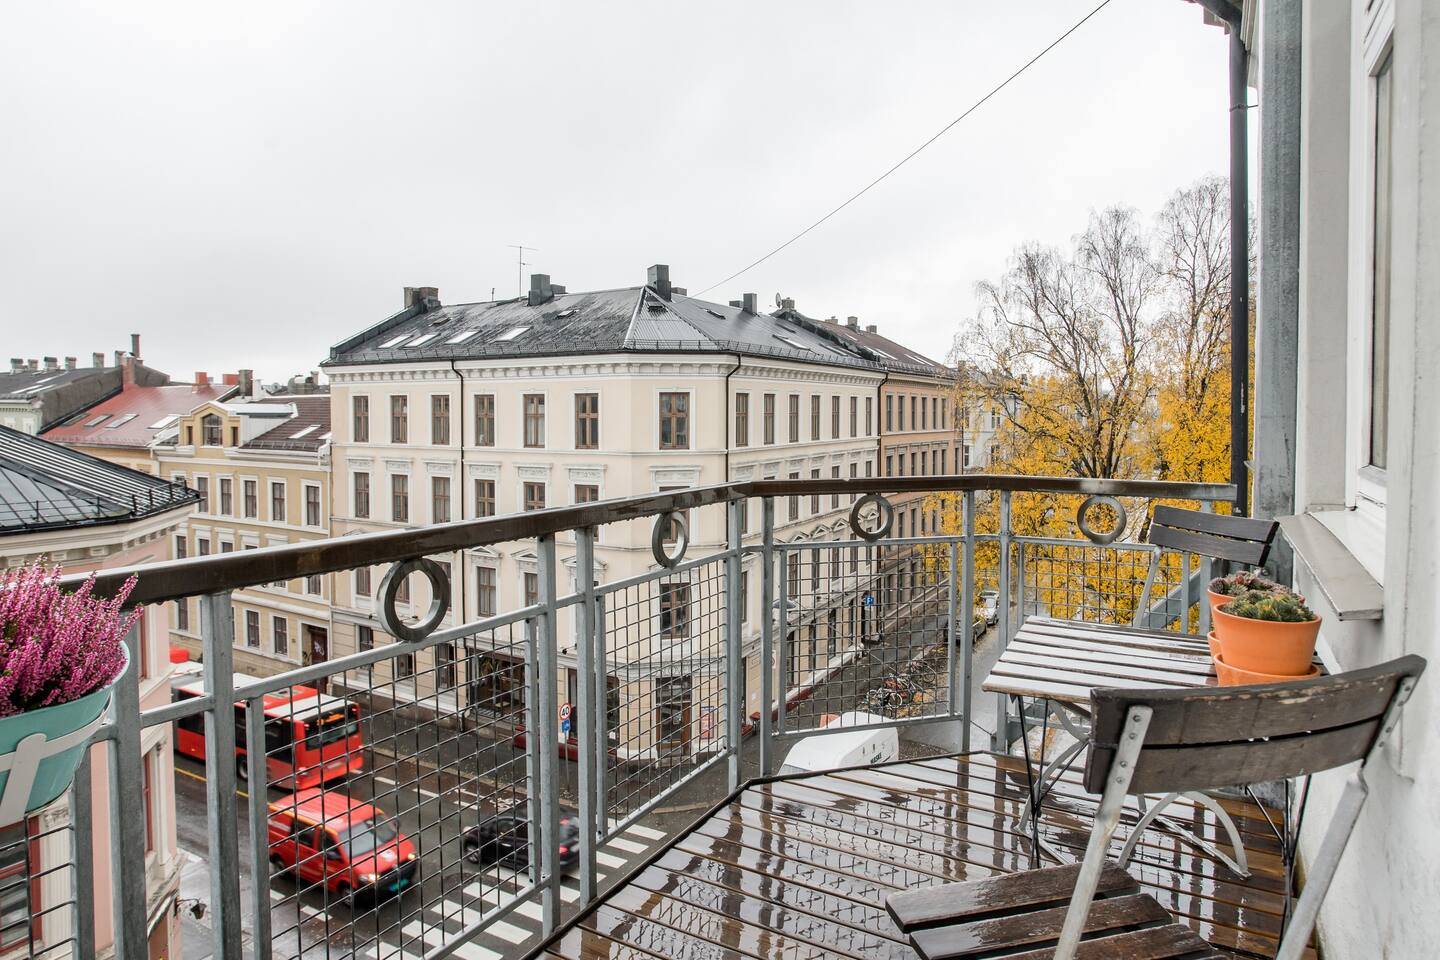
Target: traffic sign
{"type": "Point", "coordinates": [868, 600]}
{"type": "Point", "coordinates": [565, 711]}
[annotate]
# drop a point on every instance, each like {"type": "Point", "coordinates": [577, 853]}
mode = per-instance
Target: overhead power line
{"type": "Point", "coordinates": [913, 153]}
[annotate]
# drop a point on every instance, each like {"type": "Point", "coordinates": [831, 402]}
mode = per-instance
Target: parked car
{"type": "Point", "coordinates": [853, 748]}
{"type": "Point", "coordinates": [353, 848]}
{"type": "Point", "coordinates": [990, 606]}
{"type": "Point", "coordinates": [505, 839]}
{"type": "Point", "coordinates": [977, 629]}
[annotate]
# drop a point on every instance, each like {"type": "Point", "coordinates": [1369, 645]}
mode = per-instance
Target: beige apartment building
{"type": "Point", "coordinates": [262, 469]}
{"type": "Point", "coordinates": [445, 412]}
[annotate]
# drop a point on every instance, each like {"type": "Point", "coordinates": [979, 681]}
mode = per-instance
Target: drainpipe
{"type": "Point", "coordinates": [728, 404]}
{"type": "Point", "coordinates": [1239, 272]}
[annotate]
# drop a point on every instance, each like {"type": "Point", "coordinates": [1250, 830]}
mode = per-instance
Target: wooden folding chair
{"type": "Point", "coordinates": [1159, 741]}
{"type": "Point", "coordinates": [1241, 540]}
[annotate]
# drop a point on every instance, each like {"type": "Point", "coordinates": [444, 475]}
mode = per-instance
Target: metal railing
{"type": "Point", "coordinates": [449, 757]}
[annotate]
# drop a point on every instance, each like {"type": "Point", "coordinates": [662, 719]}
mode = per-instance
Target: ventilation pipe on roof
{"type": "Point", "coordinates": [52, 364]}
{"type": "Point", "coordinates": [869, 328]}
{"type": "Point", "coordinates": [97, 360]}
{"type": "Point", "coordinates": [135, 346]}
{"type": "Point", "coordinates": [119, 357]}
{"type": "Point", "coordinates": [787, 304]}
{"type": "Point", "coordinates": [70, 363]}
{"type": "Point", "coordinates": [127, 371]}
{"type": "Point", "coordinates": [246, 380]}
{"type": "Point", "coordinates": [735, 303]}
{"type": "Point", "coordinates": [16, 364]}
{"type": "Point", "coordinates": [540, 289]}
{"type": "Point", "coordinates": [658, 278]}
{"type": "Point", "coordinates": [750, 303]}
{"type": "Point", "coordinates": [852, 322]}
{"type": "Point", "coordinates": [426, 298]}
{"type": "Point", "coordinates": [32, 365]}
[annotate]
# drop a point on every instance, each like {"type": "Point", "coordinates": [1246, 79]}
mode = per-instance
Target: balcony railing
{"type": "Point", "coordinates": [664, 675]}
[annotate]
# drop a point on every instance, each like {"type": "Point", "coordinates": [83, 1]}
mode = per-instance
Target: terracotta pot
{"type": "Point", "coordinates": [1216, 599]}
{"type": "Point", "coordinates": [1235, 677]}
{"type": "Point", "coordinates": [1266, 646]}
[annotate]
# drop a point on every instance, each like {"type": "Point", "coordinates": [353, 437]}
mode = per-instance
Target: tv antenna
{"type": "Point", "coordinates": [520, 265]}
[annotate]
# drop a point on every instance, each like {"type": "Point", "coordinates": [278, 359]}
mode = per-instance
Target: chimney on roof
{"type": "Point", "coordinates": [127, 371]}
{"type": "Point", "coordinates": [869, 328]}
{"type": "Point", "coordinates": [750, 303]}
{"type": "Point", "coordinates": [852, 322]}
{"type": "Point", "coordinates": [557, 288]}
{"type": "Point", "coordinates": [658, 278]}
{"type": "Point", "coordinates": [540, 290]}
{"type": "Point", "coordinates": [52, 364]}
{"type": "Point", "coordinates": [97, 360]}
{"type": "Point", "coordinates": [230, 379]}
{"type": "Point", "coordinates": [135, 345]}
{"type": "Point", "coordinates": [70, 363]}
{"type": "Point", "coordinates": [735, 303]}
{"type": "Point", "coordinates": [32, 364]}
{"type": "Point", "coordinates": [426, 298]}
{"type": "Point", "coordinates": [679, 291]}
{"type": "Point", "coordinates": [247, 383]}
{"type": "Point", "coordinates": [16, 364]}
{"type": "Point", "coordinates": [202, 379]}
{"type": "Point", "coordinates": [119, 356]}
{"type": "Point", "coordinates": [787, 304]}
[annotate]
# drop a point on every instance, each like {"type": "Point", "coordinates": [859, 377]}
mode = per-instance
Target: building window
{"type": "Point", "coordinates": [744, 601]}
{"type": "Point", "coordinates": [280, 636]}
{"type": "Point", "coordinates": [399, 498]}
{"type": "Point", "coordinates": [869, 414]}
{"type": "Point", "coordinates": [815, 416]}
{"type": "Point", "coordinates": [362, 581]}
{"type": "Point", "coordinates": [202, 487]}
{"type": "Point", "coordinates": [834, 418]}
{"type": "Point", "coordinates": [445, 666]}
{"type": "Point", "coordinates": [182, 614]}
{"type": "Point", "coordinates": [923, 418]}
{"type": "Point", "coordinates": [769, 414]}
{"type": "Point", "coordinates": [674, 421]}
{"type": "Point", "coordinates": [147, 786]}
{"type": "Point", "coordinates": [249, 499]}
{"type": "Point", "coordinates": [914, 424]}
{"type": "Point", "coordinates": [742, 419]}
{"type": "Point", "coordinates": [900, 413]}
{"type": "Point", "coordinates": [587, 421]}
{"type": "Point", "coordinates": [534, 496]}
{"type": "Point", "coordinates": [399, 420]}
{"type": "Point", "coordinates": [440, 420]}
{"type": "Point", "coordinates": [277, 501]}
{"type": "Point", "coordinates": [587, 492]}
{"type": "Point", "coordinates": [362, 495]}
{"type": "Point", "coordinates": [227, 546]}
{"type": "Point", "coordinates": [672, 529]}
{"type": "Point", "coordinates": [440, 499]}
{"type": "Point", "coordinates": [815, 497]}
{"type": "Point", "coordinates": [210, 433]}
{"type": "Point", "coordinates": [835, 497]}
{"type": "Point", "coordinates": [315, 585]}
{"type": "Point", "coordinates": [854, 417]}
{"type": "Point", "coordinates": [534, 420]}
{"type": "Point", "coordinates": [365, 640]}
{"type": "Point", "coordinates": [965, 456]}
{"type": "Point", "coordinates": [889, 412]}
{"type": "Point", "coordinates": [531, 583]}
{"type": "Point", "coordinates": [202, 546]}
{"type": "Point", "coordinates": [485, 591]}
{"type": "Point", "coordinates": [360, 424]}
{"type": "Point", "coordinates": [674, 610]}
{"type": "Point", "coordinates": [181, 548]}
{"type": "Point", "coordinates": [402, 593]}
{"type": "Point", "coordinates": [485, 420]}
{"type": "Point", "coordinates": [792, 506]}
{"type": "Point", "coordinates": [227, 501]}
{"type": "Point", "coordinates": [794, 432]}
{"type": "Point", "coordinates": [312, 505]}
{"type": "Point", "coordinates": [404, 666]}
{"type": "Point", "coordinates": [792, 574]}
{"type": "Point", "coordinates": [484, 498]}
{"type": "Point", "coordinates": [252, 628]}
{"type": "Point", "coordinates": [1379, 419]}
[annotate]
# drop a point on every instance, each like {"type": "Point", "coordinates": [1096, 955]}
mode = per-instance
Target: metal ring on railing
{"type": "Point", "coordinates": [439, 602]}
{"type": "Point", "coordinates": [658, 536]}
{"type": "Point", "coordinates": [887, 517]}
{"type": "Point", "coordinates": [1082, 517]}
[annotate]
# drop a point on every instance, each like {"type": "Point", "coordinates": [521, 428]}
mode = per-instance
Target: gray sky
{"type": "Point", "coordinates": [246, 184]}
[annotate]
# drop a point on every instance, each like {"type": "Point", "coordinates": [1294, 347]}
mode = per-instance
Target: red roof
{"type": "Point", "coordinates": [134, 416]}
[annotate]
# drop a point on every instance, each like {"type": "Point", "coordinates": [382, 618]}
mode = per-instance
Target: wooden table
{"type": "Point", "coordinates": [1061, 661]}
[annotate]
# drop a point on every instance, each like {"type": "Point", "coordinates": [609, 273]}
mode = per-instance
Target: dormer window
{"type": "Point", "coordinates": [211, 435]}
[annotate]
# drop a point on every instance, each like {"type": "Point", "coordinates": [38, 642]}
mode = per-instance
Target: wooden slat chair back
{"type": "Point", "coordinates": [1238, 540]}
{"type": "Point", "coordinates": [1159, 741]}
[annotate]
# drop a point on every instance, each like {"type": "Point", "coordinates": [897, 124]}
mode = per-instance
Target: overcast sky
{"type": "Point", "coordinates": [246, 184]}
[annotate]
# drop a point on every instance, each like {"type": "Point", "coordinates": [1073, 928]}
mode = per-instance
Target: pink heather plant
{"type": "Point", "coordinates": [54, 646]}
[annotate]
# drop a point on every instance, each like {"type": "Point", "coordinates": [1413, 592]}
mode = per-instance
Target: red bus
{"type": "Point", "coordinates": [310, 738]}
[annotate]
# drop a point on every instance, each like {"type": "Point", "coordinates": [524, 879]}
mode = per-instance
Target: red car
{"type": "Point", "coordinates": [353, 848]}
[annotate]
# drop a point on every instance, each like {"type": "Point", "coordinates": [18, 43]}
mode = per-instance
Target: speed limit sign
{"type": "Point", "coordinates": [565, 711]}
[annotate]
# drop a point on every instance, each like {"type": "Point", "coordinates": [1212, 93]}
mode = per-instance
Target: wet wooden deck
{"type": "Point", "coordinates": [800, 868]}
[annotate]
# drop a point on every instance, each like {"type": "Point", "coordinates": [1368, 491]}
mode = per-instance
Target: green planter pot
{"type": "Point", "coordinates": [53, 772]}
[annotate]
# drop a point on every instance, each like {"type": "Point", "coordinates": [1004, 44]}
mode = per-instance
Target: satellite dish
{"type": "Point", "coordinates": [777, 300]}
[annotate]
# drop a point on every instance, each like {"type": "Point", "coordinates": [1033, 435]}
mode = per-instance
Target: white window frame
{"type": "Point", "coordinates": [693, 443]}
{"type": "Point", "coordinates": [305, 487]}
{"type": "Point", "coordinates": [270, 499]}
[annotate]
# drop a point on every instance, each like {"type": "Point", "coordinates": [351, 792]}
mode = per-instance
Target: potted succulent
{"type": "Point", "coordinates": [1271, 633]}
{"type": "Point", "coordinates": [1227, 588]}
{"type": "Point", "coordinates": [60, 655]}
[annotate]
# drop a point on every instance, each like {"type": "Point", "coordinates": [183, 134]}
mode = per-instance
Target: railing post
{"type": "Point", "coordinates": [601, 722]}
{"type": "Point", "coordinates": [967, 603]}
{"type": "Point", "coordinates": [585, 710]}
{"type": "Point", "coordinates": [782, 639]}
{"type": "Point", "coordinates": [958, 636]}
{"type": "Point", "coordinates": [547, 733]}
{"type": "Point", "coordinates": [83, 876]}
{"type": "Point", "coordinates": [1205, 575]}
{"type": "Point", "coordinates": [217, 638]}
{"type": "Point", "coordinates": [1000, 739]}
{"type": "Point", "coordinates": [734, 663]}
{"type": "Point", "coordinates": [259, 825]}
{"type": "Point", "coordinates": [767, 634]}
{"type": "Point", "coordinates": [127, 831]}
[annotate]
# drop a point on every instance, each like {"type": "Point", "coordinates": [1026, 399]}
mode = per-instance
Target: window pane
{"type": "Point", "coordinates": [1380, 301]}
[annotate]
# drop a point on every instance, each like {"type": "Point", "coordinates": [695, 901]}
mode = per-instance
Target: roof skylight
{"type": "Point", "coordinates": [462, 336]}
{"type": "Point", "coordinates": [395, 341]}
{"type": "Point", "coordinates": [164, 422]}
{"type": "Point", "coordinates": [304, 433]}
{"type": "Point", "coordinates": [120, 421]}
{"type": "Point", "coordinates": [794, 343]}
{"type": "Point", "coordinates": [423, 339]}
{"type": "Point", "coordinates": [510, 334]}
{"type": "Point", "coordinates": [98, 420]}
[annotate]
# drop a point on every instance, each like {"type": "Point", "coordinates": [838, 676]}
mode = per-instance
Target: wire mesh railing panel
{"type": "Point", "coordinates": [37, 886]}
{"type": "Point", "coordinates": [400, 800]}
{"type": "Point", "coordinates": [866, 635]}
{"type": "Point", "coordinates": [1103, 584]}
{"type": "Point", "coordinates": [662, 685]}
